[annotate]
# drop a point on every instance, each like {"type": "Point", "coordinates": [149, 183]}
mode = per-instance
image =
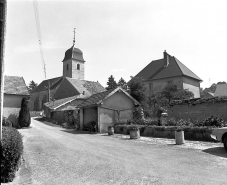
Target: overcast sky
{"type": "Point", "coordinates": [117, 37]}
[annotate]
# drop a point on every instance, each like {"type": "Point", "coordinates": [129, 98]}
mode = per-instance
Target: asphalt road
{"type": "Point", "coordinates": [53, 155]}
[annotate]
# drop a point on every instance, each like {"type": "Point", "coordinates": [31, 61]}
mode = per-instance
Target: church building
{"type": "Point", "coordinates": [71, 84]}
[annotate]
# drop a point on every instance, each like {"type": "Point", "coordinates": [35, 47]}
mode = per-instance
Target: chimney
{"type": "Point", "coordinates": [166, 59]}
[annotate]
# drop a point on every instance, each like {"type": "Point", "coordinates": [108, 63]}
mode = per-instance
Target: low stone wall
{"type": "Point", "coordinates": [196, 133]}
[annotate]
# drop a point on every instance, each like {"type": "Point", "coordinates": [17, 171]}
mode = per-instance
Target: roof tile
{"type": "Point", "coordinates": [15, 85]}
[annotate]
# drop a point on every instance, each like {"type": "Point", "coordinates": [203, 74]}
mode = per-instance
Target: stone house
{"type": "Point", "coordinates": [14, 90]}
{"type": "Point", "coordinates": [221, 90]}
{"type": "Point", "coordinates": [106, 107]}
{"type": "Point", "coordinates": [159, 72]}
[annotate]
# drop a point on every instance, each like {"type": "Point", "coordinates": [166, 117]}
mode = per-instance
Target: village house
{"type": "Point", "coordinates": [159, 72]}
{"type": "Point", "coordinates": [221, 90]}
{"type": "Point", "coordinates": [14, 90]}
{"type": "Point", "coordinates": [106, 107]}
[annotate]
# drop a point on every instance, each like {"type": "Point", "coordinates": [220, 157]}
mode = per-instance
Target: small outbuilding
{"type": "Point", "coordinates": [106, 107]}
{"type": "Point", "coordinates": [14, 90]}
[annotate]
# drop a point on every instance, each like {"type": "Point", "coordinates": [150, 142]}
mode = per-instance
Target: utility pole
{"type": "Point", "coordinates": [2, 20]}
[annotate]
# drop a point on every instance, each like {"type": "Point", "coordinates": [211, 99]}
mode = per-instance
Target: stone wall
{"type": "Point", "coordinates": [199, 111]}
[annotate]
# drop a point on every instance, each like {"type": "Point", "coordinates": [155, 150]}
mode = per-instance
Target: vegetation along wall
{"type": "Point", "coordinates": [199, 109]}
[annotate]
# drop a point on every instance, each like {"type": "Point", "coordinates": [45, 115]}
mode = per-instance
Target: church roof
{"type": "Point", "coordinates": [15, 85]}
{"type": "Point", "coordinates": [84, 85]}
{"type": "Point", "coordinates": [157, 70]}
{"type": "Point", "coordinates": [44, 84]}
{"type": "Point", "coordinates": [74, 53]}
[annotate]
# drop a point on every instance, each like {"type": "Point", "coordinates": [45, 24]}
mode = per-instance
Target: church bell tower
{"type": "Point", "coordinates": [73, 63]}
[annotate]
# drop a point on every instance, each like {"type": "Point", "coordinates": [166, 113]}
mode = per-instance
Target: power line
{"type": "Point", "coordinates": [36, 11]}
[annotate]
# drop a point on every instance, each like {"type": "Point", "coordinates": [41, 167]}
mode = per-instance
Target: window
{"type": "Point", "coordinates": [67, 67]}
{"type": "Point", "coordinates": [78, 66]}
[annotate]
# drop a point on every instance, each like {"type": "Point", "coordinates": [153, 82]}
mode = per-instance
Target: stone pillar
{"type": "Point", "coordinates": [164, 118]}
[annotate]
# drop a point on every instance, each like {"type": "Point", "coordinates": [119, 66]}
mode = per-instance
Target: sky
{"type": "Point", "coordinates": [117, 37]}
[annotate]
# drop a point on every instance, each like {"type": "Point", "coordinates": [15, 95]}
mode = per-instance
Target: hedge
{"type": "Point", "coordinates": [191, 133]}
{"type": "Point", "coordinates": [11, 153]}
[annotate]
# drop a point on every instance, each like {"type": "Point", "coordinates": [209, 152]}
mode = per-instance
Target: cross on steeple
{"type": "Point", "coordinates": [74, 36]}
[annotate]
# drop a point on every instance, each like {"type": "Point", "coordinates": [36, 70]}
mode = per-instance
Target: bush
{"type": "Point", "coordinates": [11, 152]}
{"type": "Point", "coordinates": [24, 118]}
{"type": "Point", "coordinates": [6, 122]}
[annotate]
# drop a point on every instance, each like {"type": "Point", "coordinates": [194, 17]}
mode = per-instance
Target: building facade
{"type": "Point", "coordinates": [158, 73]}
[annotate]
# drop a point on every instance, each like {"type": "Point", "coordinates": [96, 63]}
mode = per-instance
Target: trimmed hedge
{"type": "Point", "coordinates": [11, 152]}
{"type": "Point", "coordinates": [191, 133]}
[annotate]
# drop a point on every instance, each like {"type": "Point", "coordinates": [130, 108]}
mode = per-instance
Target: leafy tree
{"type": "Point", "coordinates": [137, 90]}
{"type": "Point", "coordinates": [24, 118]}
{"type": "Point", "coordinates": [112, 84]}
{"type": "Point", "coordinates": [122, 83]}
{"type": "Point", "coordinates": [168, 93]}
{"type": "Point", "coordinates": [32, 85]}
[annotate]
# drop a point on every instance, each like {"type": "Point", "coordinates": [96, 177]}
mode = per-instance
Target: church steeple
{"type": "Point", "coordinates": [74, 37]}
{"type": "Point", "coordinates": [73, 62]}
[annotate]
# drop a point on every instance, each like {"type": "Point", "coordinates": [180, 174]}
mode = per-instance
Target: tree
{"type": "Point", "coordinates": [24, 118]}
{"type": "Point", "coordinates": [137, 90]}
{"type": "Point", "coordinates": [32, 85]}
{"type": "Point", "coordinates": [168, 93]}
{"type": "Point", "coordinates": [122, 83]}
{"type": "Point", "coordinates": [112, 84]}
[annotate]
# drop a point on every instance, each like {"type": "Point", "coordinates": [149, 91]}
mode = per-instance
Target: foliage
{"type": "Point", "coordinates": [6, 122]}
{"type": "Point", "coordinates": [112, 84]}
{"type": "Point", "coordinates": [207, 122]}
{"type": "Point", "coordinates": [169, 93]}
{"type": "Point", "coordinates": [11, 152]}
{"type": "Point", "coordinates": [24, 118]}
{"type": "Point", "coordinates": [137, 90]}
{"type": "Point", "coordinates": [122, 83]}
{"type": "Point", "coordinates": [31, 86]}
{"type": "Point", "coordinates": [149, 121]}
{"type": "Point", "coordinates": [133, 127]}
{"type": "Point", "coordinates": [172, 122]}
{"type": "Point", "coordinates": [195, 101]}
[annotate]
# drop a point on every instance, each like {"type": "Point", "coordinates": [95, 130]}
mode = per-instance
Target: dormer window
{"type": "Point", "coordinates": [67, 67]}
{"type": "Point", "coordinates": [78, 66]}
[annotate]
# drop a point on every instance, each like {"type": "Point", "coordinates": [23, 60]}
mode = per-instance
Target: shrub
{"type": "Point", "coordinates": [6, 122]}
{"type": "Point", "coordinates": [24, 118]}
{"type": "Point", "coordinates": [11, 152]}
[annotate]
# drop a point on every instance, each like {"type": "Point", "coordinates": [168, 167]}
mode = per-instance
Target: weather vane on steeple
{"type": "Point", "coordinates": [74, 36]}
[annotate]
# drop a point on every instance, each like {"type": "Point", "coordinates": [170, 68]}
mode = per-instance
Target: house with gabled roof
{"type": "Point", "coordinates": [159, 72]}
{"type": "Point", "coordinates": [14, 90]}
{"type": "Point", "coordinates": [221, 90]}
{"type": "Point", "coordinates": [106, 107]}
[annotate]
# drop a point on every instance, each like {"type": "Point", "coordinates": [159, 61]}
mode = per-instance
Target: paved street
{"type": "Point", "coordinates": [53, 155]}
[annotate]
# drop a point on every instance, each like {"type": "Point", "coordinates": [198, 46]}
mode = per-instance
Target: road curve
{"type": "Point", "coordinates": [53, 155]}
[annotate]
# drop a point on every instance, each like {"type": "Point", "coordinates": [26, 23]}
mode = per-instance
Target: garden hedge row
{"type": "Point", "coordinates": [11, 153]}
{"type": "Point", "coordinates": [190, 133]}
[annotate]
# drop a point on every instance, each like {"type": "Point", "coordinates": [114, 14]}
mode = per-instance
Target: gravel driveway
{"type": "Point", "coordinates": [53, 155]}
